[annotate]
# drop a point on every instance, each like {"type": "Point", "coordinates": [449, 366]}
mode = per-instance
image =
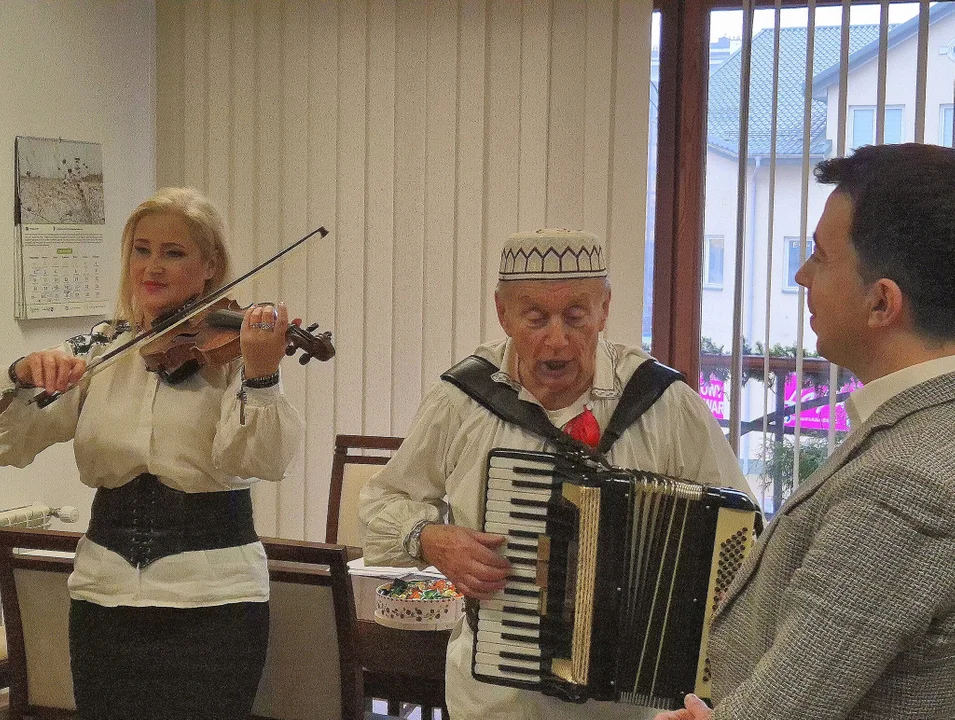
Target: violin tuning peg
{"type": "Point", "coordinates": [290, 350]}
{"type": "Point", "coordinates": [304, 359]}
{"type": "Point", "coordinates": [312, 328]}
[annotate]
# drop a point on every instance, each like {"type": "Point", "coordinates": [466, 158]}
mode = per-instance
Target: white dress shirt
{"type": "Point", "coordinates": [867, 399]}
{"type": "Point", "coordinates": [125, 421]}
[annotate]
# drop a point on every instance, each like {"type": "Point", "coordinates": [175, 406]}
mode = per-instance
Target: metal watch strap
{"type": "Point", "coordinates": [412, 542]}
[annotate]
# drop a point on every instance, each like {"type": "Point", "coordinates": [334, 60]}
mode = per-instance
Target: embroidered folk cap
{"type": "Point", "coordinates": [552, 254]}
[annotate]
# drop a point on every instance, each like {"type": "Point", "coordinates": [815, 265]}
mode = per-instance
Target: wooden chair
{"type": "Point", "coordinates": [36, 608]}
{"type": "Point", "coordinates": [357, 458]}
{"type": "Point", "coordinates": [312, 669]}
{"type": "Point", "coordinates": [4, 662]}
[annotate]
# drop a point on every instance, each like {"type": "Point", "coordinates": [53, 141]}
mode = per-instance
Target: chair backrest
{"type": "Point", "coordinates": [357, 458]}
{"type": "Point", "coordinates": [36, 609]}
{"type": "Point", "coordinates": [312, 670]}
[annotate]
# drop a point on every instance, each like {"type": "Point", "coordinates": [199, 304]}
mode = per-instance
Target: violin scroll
{"type": "Point", "coordinates": [312, 346]}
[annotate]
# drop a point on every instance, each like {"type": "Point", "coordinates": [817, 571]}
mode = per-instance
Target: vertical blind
{"type": "Point", "coordinates": [421, 133]}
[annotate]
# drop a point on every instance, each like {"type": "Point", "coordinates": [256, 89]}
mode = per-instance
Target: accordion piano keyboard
{"type": "Point", "coordinates": [508, 639]}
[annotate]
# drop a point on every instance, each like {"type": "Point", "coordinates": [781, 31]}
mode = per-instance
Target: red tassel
{"type": "Point", "coordinates": [584, 428]}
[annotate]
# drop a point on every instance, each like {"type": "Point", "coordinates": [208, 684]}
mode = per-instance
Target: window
{"type": "Point", "coordinates": [862, 126]}
{"type": "Point", "coordinates": [792, 261]}
{"type": "Point", "coordinates": [945, 129]}
{"type": "Point", "coordinates": [766, 318]}
{"type": "Point", "coordinates": [713, 262]}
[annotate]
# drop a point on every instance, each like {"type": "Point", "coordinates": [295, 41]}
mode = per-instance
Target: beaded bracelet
{"type": "Point", "coordinates": [261, 382]}
{"type": "Point", "coordinates": [14, 378]}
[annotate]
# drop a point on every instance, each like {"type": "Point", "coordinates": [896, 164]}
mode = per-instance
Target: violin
{"type": "Point", "coordinates": [181, 362]}
{"type": "Point", "coordinates": [212, 338]}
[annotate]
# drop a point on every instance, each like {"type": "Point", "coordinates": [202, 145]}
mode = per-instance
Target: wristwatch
{"type": "Point", "coordinates": [413, 540]}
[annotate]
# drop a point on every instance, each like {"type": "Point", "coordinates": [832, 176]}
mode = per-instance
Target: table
{"type": "Point", "coordinates": [398, 665]}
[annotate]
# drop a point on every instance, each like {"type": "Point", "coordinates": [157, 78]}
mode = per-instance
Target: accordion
{"type": "Point", "coordinates": [615, 577]}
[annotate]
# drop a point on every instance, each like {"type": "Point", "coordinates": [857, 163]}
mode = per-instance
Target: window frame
{"type": "Point", "coordinates": [681, 168]}
{"type": "Point", "coordinates": [944, 125]}
{"type": "Point", "coordinates": [708, 283]}
{"type": "Point", "coordinates": [850, 125]}
{"type": "Point", "coordinates": [788, 241]}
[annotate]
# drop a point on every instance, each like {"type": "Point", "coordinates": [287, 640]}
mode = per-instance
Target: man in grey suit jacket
{"type": "Point", "coordinates": [846, 608]}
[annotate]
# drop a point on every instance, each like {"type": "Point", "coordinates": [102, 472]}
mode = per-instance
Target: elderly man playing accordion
{"type": "Point", "coordinates": [424, 507]}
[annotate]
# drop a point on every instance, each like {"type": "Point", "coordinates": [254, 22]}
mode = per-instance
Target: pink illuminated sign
{"type": "Point", "coordinates": [817, 418]}
{"type": "Point", "coordinates": [713, 393]}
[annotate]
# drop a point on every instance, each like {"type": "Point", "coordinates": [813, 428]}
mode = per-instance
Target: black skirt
{"type": "Point", "coordinates": [145, 663]}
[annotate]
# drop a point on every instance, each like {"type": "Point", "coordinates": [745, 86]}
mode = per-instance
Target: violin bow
{"type": "Point", "coordinates": [43, 399]}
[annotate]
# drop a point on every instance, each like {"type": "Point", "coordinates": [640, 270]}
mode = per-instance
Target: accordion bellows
{"type": "Point", "coordinates": [615, 578]}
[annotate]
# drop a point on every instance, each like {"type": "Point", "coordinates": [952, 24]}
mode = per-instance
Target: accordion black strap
{"type": "Point", "coordinates": [474, 377]}
{"type": "Point", "coordinates": [645, 386]}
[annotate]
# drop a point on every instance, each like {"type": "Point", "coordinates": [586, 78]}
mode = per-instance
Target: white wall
{"type": "Point", "coordinates": [721, 199]}
{"type": "Point", "coordinates": [80, 70]}
{"type": "Point", "coordinates": [422, 133]}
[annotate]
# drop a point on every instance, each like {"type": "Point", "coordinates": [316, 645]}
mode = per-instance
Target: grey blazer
{"type": "Point", "coordinates": [846, 607]}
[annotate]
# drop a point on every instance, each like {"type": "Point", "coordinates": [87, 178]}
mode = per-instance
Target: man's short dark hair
{"type": "Point", "coordinates": [903, 224]}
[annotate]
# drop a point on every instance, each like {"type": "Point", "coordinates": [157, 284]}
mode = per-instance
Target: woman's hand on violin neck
{"type": "Point", "coordinates": [262, 338]}
{"type": "Point", "coordinates": [51, 370]}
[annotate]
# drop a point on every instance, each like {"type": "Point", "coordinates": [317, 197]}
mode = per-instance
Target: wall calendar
{"type": "Point", "coordinates": [59, 229]}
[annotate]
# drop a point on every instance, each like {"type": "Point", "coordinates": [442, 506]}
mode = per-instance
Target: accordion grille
{"type": "Point", "coordinates": [734, 539]}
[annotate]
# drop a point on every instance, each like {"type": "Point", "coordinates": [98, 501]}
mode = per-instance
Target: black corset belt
{"type": "Point", "coordinates": [144, 520]}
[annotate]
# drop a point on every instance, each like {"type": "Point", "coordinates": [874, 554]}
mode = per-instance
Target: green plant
{"type": "Point", "coordinates": [778, 467]}
{"type": "Point", "coordinates": [720, 370]}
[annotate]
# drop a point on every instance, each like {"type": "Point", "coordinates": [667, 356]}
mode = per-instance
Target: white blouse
{"type": "Point", "coordinates": [126, 421]}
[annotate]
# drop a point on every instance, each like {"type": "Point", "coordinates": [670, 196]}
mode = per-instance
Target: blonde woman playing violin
{"type": "Point", "coordinates": [169, 593]}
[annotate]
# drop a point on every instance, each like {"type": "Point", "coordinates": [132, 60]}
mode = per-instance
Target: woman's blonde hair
{"type": "Point", "coordinates": [206, 229]}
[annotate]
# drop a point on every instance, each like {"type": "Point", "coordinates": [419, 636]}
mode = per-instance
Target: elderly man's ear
{"type": "Point", "coordinates": [606, 310]}
{"type": "Point", "coordinates": [499, 304]}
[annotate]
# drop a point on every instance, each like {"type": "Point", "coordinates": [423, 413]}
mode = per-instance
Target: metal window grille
{"type": "Point", "coordinates": [805, 84]}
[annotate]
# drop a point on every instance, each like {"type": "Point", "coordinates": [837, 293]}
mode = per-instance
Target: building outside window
{"type": "Point", "coordinates": [713, 262]}
{"type": "Point", "coordinates": [862, 125]}
{"type": "Point", "coordinates": [792, 261]}
{"type": "Point", "coordinates": [945, 126]}
{"type": "Point", "coordinates": [769, 313]}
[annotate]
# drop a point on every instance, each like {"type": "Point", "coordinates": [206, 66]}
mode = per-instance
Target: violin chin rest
{"type": "Point", "coordinates": [181, 373]}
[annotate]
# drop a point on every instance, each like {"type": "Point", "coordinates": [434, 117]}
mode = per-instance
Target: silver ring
{"type": "Point", "coordinates": [262, 325]}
